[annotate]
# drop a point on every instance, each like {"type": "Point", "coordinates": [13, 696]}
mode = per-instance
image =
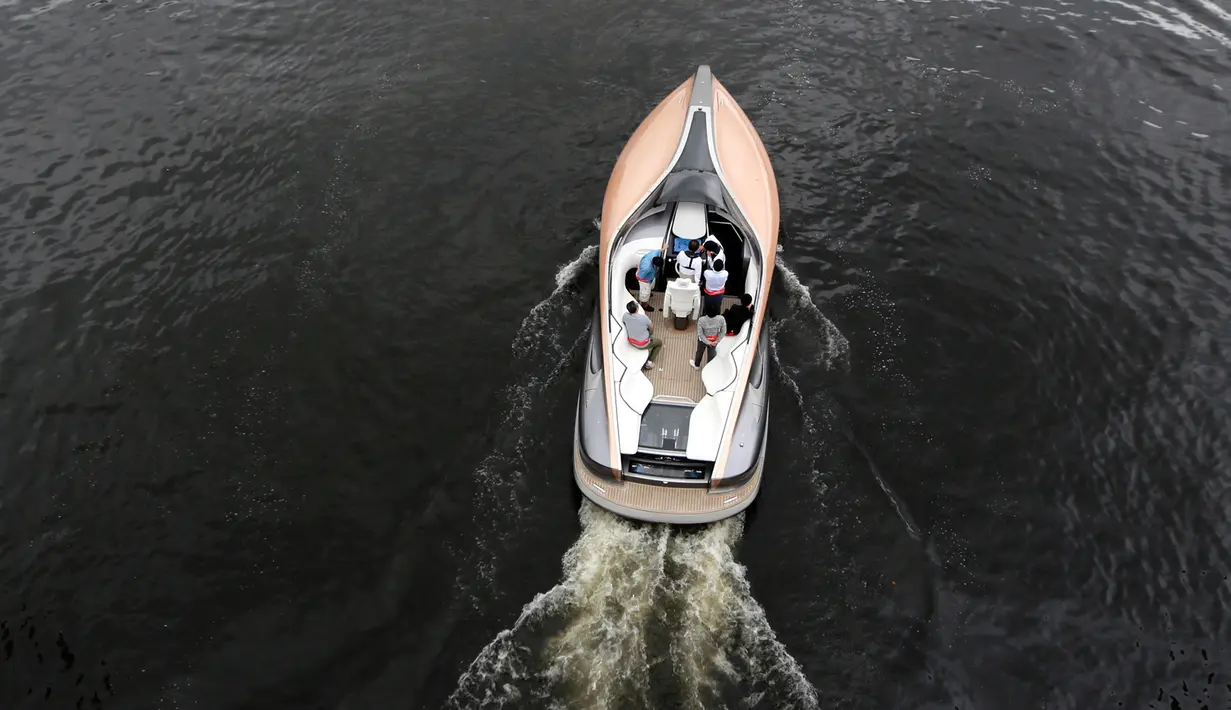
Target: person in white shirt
{"type": "Point", "coordinates": [713, 250]}
{"type": "Point", "coordinates": [688, 263]}
{"type": "Point", "coordinates": [714, 285]}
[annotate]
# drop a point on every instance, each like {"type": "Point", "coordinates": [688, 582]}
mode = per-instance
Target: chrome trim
{"type": "Point", "coordinates": [663, 452]}
{"type": "Point", "coordinates": [702, 88]}
{"type": "Point", "coordinates": [673, 399]}
{"type": "Point", "coordinates": [677, 482]}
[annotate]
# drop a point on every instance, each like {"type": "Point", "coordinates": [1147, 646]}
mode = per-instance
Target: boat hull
{"type": "Point", "coordinates": [694, 166]}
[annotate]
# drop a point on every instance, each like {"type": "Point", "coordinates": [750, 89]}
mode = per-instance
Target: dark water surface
{"type": "Point", "coordinates": [288, 359]}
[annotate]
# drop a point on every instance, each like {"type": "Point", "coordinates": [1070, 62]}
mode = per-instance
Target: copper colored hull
{"type": "Point", "coordinates": [744, 167]}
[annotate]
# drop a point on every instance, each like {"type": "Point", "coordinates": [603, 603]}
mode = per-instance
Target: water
{"type": "Point", "coordinates": [648, 615]}
{"type": "Point", "coordinates": [293, 299]}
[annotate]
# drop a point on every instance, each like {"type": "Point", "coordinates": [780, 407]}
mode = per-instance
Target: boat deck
{"type": "Point", "coordinates": [672, 375]}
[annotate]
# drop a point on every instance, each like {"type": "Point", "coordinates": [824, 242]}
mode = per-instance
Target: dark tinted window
{"type": "Point", "coordinates": [665, 427]}
{"type": "Point", "coordinates": [757, 376]}
{"type": "Point", "coordinates": [596, 352]}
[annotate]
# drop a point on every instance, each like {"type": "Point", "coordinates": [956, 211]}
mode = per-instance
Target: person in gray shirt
{"type": "Point", "coordinates": [711, 328]}
{"type": "Point", "coordinates": [640, 332]}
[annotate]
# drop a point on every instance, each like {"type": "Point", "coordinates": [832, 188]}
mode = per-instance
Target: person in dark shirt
{"type": "Point", "coordinates": [712, 250]}
{"type": "Point", "coordinates": [738, 314]}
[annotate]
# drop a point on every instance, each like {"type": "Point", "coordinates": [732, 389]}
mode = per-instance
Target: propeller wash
{"type": "Point", "coordinates": [644, 611]}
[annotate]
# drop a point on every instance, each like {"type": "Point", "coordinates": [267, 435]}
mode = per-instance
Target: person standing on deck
{"type": "Point", "coordinates": [640, 332]}
{"type": "Point", "coordinates": [688, 263]}
{"type": "Point", "coordinates": [713, 250]}
{"type": "Point", "coordinates": [714, 285]}
{"type": "Point", "coordinates": [647, 273]}
{"type": "Point", "coordinates": [710, 330]}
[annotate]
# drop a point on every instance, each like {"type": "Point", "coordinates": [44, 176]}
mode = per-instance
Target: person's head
{"type": "Point", "coordinates": [657, 262]}
{"type": "Point", "coordinates": [718, 264]}
{"type": "Point", "coordinates": [711, 309]}
{"type": "Point", "coordinates": [632, 306]}
{"type": "Point", "coordinates": [712, 247]}
{"type": "Point", "coordinates": [746, 300]}
{"type": "Point", "coordinates": [693, 245]}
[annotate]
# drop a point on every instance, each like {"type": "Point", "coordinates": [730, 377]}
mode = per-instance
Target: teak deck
{"type": "Point", "coordinates": [672, 375]}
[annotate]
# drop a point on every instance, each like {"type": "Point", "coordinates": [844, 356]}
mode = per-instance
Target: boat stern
{"type": "Point", "coordinates": [665, 503]}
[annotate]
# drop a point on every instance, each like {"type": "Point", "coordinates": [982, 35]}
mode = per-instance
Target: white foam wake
{"type": "Point", "coordinates": [722, 629]}
{"type": "Point", "coordinates": [541, 349]}
{"type": "Point", "coordinates": [811, 342]}
{"type": "Point", "coordinates": [1176, 20]}
{"type": "Point", "coordinates": [610, 575]}
{"type": "Point", "coordinates": [493, 677]}
{"type": "Point", "coordinates": [831, 347]}
{"type": "Point", "coordinates": [539, 334]}
{"type": "Point", "coordinates": [613, 575]}
{"type": "Point", "coordinates": [638, 604]}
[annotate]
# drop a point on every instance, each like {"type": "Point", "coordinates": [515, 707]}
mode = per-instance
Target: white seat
{"type": "Point", "coordinates": [637, 390]}
{"type": "Point", "coordinates": [731, 342]}
{"type": "Point", "coordinates": [705, 426]}
{"type": "Point", "coordinates": [682, 299]}
{"type": "Point", "coordinates": [689, 222]}
{"type": "Point", "coordinates": [628, 425]}
{"type": "Point", "coordinates": [718, 373]}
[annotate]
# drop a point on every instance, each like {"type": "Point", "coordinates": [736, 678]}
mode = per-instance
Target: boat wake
{"type": "Point", "coordinates": [644, 612]}
{"type": "Point", "coordinates": [814, 347]}
{"type": "Point", "coordinates": [541, 349]}
{"type": "Point", "coordinates": [805, 346]}
{"type": "Point", "coordinates": [826, 347]}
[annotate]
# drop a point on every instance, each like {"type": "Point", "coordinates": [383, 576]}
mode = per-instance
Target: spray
{"type": "Point", "coordinates": [636, 597]}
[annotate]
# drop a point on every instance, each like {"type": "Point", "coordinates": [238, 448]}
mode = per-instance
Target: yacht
{"type": "Point", "coordinates": [667, 442]}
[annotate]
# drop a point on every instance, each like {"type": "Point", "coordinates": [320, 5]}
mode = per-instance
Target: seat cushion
{"type": "Point", "coordinates": [718, 373]}
{"type": "Point", "coordinates": [682, 297]}
{"type": "Point", "coordinates": [637, 390]}
{"type": "Point", "coordinates": [705, 426]}
{"type": "Point", "coordinates": [632, 356]}
{"type": "Point", "coordinates": [689, 222]}
{"type": "Point", "coordinates": [731, 342]}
